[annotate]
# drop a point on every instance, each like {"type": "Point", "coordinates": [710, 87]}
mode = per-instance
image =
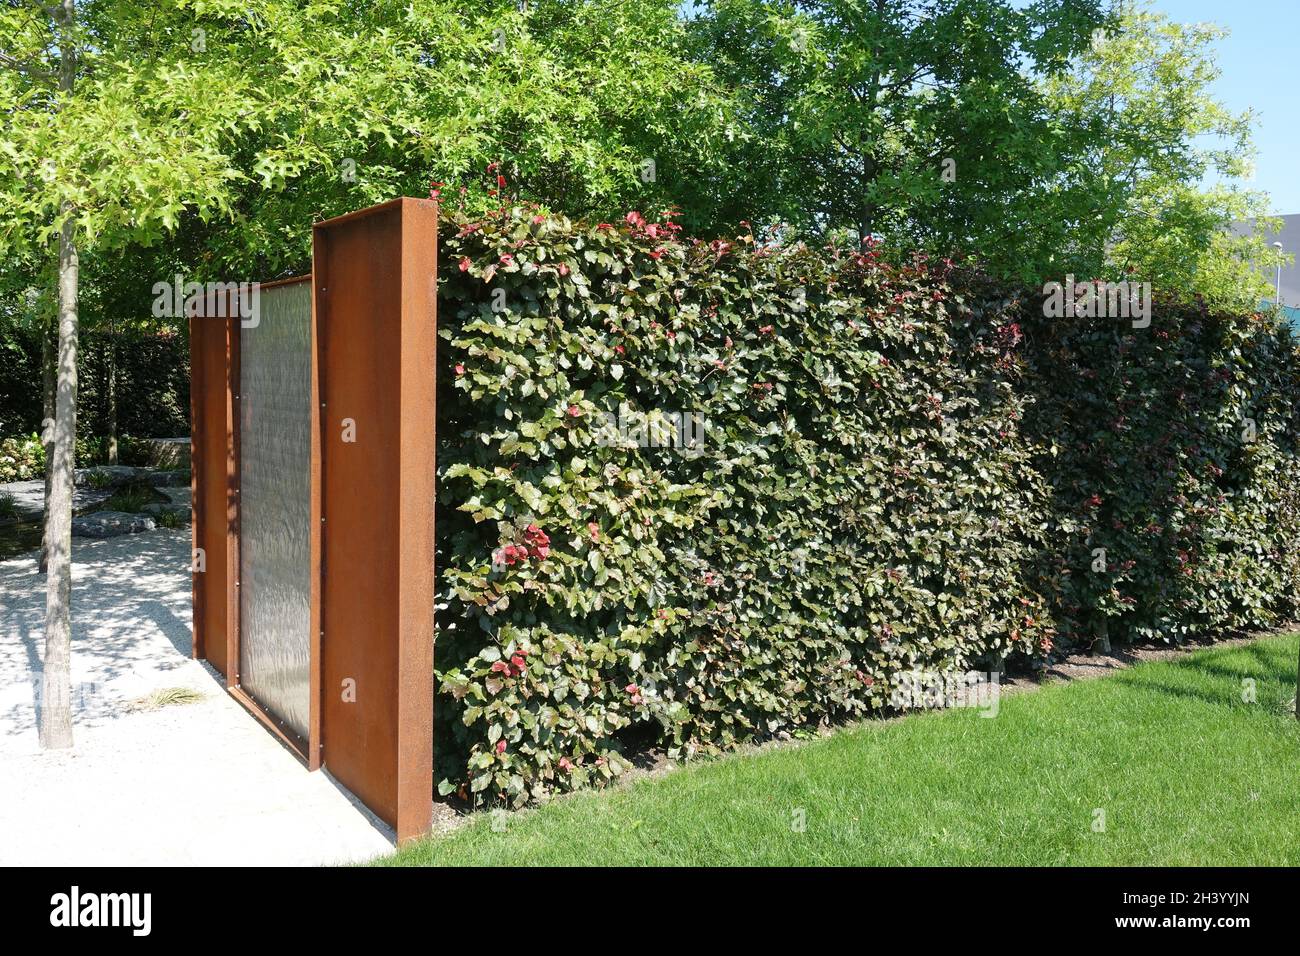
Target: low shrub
{"type": "Point", "coordinates": [22, 458]}
{"type": "Point", "coordinates": [137, 452]}
{"type": "Point", "coordinates": [133, 497]}
{"type": "Point", "coordinates": [100, 480]}
{"type": "Point", "coordinates": [693, 495]}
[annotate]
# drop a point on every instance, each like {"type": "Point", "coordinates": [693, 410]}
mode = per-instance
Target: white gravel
{"type": "Point", "coordinates": [199, 783]}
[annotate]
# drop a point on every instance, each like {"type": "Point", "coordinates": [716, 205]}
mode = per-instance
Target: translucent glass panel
{"type": "Point", "coordinates": [275, 515]}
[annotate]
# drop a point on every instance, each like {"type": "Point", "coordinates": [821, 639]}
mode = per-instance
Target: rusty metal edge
{"type": "Point", "coordinates": [232, 495]}
{"type": "Point", "coordinates": [416, 496]}
{"type": "Point", "coordinates": [315, 741]}
{"type": "Point", "coordinates": [362, 213]}
{"type": "Point", "coordinates": [415, 650]}
{"type": "Point", "coordinates": [198, 514]}
{"type": "Point", "coordinates": [202, 378]}
{"type": "Point", "coordinates": [416, 597]}
{"type": "Point", "coordinates": [291, 280]}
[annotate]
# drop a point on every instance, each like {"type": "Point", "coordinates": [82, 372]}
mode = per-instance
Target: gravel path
{"type": "Point", "coordinates": [199, 783]}
{"type": "Point", "coordinates": [29, 496]}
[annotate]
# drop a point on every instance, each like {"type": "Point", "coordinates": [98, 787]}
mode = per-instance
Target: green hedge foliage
{"type": "Point", "coordinates": [1172, 448]}
{"type": "Point", "coordinates": [22, 458]}
{"type": "Point", "coordinates": [896, 465]}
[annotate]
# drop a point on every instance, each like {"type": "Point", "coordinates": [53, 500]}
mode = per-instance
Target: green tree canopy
{"type": "Point", "coordinates": [1045, 138]}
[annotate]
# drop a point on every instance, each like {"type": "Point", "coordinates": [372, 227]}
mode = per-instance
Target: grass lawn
{"type": "Point", "coordinates": [1186, 772]}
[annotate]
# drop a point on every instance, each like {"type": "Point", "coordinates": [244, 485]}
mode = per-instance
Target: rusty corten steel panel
{"type": "Point", "coordinates": [275, 505]}
{"type": "Point", "coordinates": [210, 483]}
{"type": "Point", "coordinates": [374, 274]}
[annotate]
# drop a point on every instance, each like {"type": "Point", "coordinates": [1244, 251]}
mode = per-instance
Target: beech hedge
{"type": "Point", "coordinates": [693, 495]}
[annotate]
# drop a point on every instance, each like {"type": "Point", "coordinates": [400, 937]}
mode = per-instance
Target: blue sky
{"type": "Point", "coordinates": [1259, 63]}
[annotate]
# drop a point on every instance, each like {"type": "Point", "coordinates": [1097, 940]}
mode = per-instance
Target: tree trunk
{"type": "Point", "coordinates": [1102, 643]}
{"type": "Point", "coordinates": [56, 681]}
{"type": "Point", "coordinates": [56, 695]}
{"type": "Point", "coordinates": [50, 378]}
{"type": "Point", "coordinates": [111, 355]}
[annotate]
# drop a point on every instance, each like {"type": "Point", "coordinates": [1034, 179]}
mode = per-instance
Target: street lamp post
{"type": "Point", "coordinates": [1278, 299]}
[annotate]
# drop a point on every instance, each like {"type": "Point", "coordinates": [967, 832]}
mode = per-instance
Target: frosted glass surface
{"type": "Point", "coordinates": [275, 505]}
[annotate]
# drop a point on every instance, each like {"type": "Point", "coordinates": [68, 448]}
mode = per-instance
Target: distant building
{"type": "Point", "coordinates": [1290, 239]}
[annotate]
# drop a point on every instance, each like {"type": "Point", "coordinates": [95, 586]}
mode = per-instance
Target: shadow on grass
{"type": "Point", "coordinates": [1268, 662]}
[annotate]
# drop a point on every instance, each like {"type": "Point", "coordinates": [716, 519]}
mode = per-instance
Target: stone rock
{"type": "Point", "coordinates": [180, 497]}
{"type": "Point", "coordinates": [114, 474]}
{"type": "Point", "coordinates": [109, 524]}
{"type": "Point", "coordinates": [183, 515]}
{"type": "Point", "coordinates": [173, 478]}
{"type": "Point", "coordinates": [170, 453]}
